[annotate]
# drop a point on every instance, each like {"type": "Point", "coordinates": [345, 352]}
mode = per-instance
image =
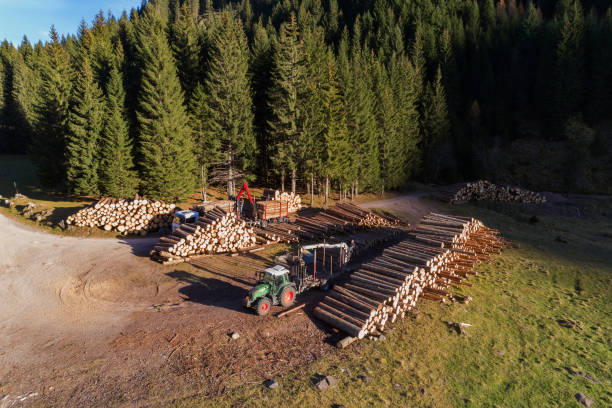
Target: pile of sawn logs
{"type": "Point", "coordinates": [292, 200]}
{"type": "Point", "coordinates": [216, 231]}
{"type": "Point", "coordinates": [440, 252]}
{"type": "Point", "coordinates": [137, 216]}
{"type": "Point", "coordinates": [486, 191]}
{"type": "Point", "coordinates": [343, 217]}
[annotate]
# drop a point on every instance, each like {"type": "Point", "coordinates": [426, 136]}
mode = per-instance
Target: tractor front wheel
{"type": "Point", "coordinates": [263, 306]}
{"type": "Point", "coordinates": [287, 296]}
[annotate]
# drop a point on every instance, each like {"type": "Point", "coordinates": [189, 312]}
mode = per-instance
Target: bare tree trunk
{"type": "Point", "coordinates": [312, 190]}
{"type": "Point", "coordinates": [204, 184]}
{"type": "Point", "coordinates": [356, 188]}
{"type": "Point", "coordinates": [326, 189]}
{"type": "Point", "coordinates": [293, 177]}
{"type": "Point", "coordinates": [283, 181]}
{"type": "Point", "coordinates": [230, 174]}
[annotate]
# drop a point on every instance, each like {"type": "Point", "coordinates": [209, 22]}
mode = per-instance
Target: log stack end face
{"type": "Point", "coordinates": [136, 216]}
{"type": "Point", "coordinates": [440, 252]}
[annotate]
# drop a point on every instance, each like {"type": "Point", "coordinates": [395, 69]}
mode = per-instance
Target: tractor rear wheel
{"type": "Point", "coordinates": [287, 296]}
{"type": "Point", "coordinates": [263, 306]}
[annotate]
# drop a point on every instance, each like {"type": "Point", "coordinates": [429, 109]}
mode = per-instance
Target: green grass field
{"type": "Point", "coordinates": [516, 354]}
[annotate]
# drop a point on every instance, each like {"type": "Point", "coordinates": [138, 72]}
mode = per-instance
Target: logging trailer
{"type": "Point", "coordinates": [294, 274]}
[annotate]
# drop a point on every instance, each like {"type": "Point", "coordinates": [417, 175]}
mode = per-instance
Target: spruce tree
{"type": "Point", "coordinates": [167, 159]}
{"type": "Point", "coordinates": [85, 124]}
{"type": "Point", "coordinates": [406, 87]}
{"type": "Point", "coordinates": [261, 66]}
{"type": "Point", "coordinates": [361, 121]}
{"type": "Point", "coordinates": [26, 84]}
{"type": "Point", "coordinates": [285, 125]}
{"type": "Point", "coordinates": [335, 159]}
{"type": "Point", "coordinates": [316, 76]}
{"type": "Point", "coordinates": [228, 115]}
{"type": "Point", "coordinates": [569, 65]}
{"type": "Point", "coordinates": [391, 154]}
{"type": "Point", "coordinates": [184, 40]}
{"type": "Point", "coordinates": [52, 111]}
{"type": "Point", "coordinates": [437, 127]}
{"type": "Point", "coordinates": [117, 175]}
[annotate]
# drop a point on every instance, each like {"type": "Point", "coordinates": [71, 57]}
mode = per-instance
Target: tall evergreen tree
{"type": "Point", "coordinates": [85, 123]}
{"type": "Point", "coordinates": [117, 175]}
{"type": "Point", "coordinates": [26, 84]}
{"type": "Point", "coordinates": [361, 120]}
{"type": "Point", "coordinates": [569, 65]}
{"type": "Point", "coordinates": [261, 67]}
{"type": "Point", "coordinates": [229, 111]}
{"type": "Point", "coordinates": [184, 40]}
{"type": "Point", "coordinates": [52, 111]}
{"type": "Point", "coordinates": [335, 161]}
{"type": "Point", "coordinates": [285, 104]}
{"type": "Point", "coordinates": [316, 76]}
{"type": "Point", "coordinates": [167, 159]}
{"type": "Point", "coordinates": [437, 127]}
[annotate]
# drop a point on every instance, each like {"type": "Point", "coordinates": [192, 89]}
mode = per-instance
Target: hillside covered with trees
{"type": "Point", "coordinates": [354, 94]}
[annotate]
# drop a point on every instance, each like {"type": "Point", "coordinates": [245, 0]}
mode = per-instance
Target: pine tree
{"type": "Point", "coordinates": [26, 85]}
{"type": "Point", "coordinates": [117, 175]}
{"type": "Point", "coordinates": [335, 159]}
{"type": "Point", "coordinates": [184, 40]}
{"type": "Point", "coordinates": [569, 65]}
{"type": "Point", "coordinates": [167, 159]}
{"type": "Point", "coordinates": [286, 126]}
{"type": "Point", "coordinates": [261, 72]}
{"type": "Point", "coordinates": [390, 143]}
{"type": "Point", "coordinates": [85, 124]}
{"type": "Point", "coordinates": [52, 109]}
{"type": "Point", "coordinates": [316, 75]}
{"type": "Point", "coordinates": [361, 121]}
{"type": "Point", "coordinates": [229, 111]}
{"type": "Point", "coordinates": [406, 87]}
{"type": "Point", "coordinates": [437, 127]}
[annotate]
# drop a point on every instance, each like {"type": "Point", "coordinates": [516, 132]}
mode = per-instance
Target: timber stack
{"type": "Point", "coordinates": [344, 217]}
{"type": "Point", "coordinates": [486, 191]}
{"type": "Point", "coordinates": [440, 252]}
{"type": "Point", "coordinates": [215, 232]}
{"type": "Point", "coordinates": [137, 216]}
{"type": "Point", "coordinates": [292, 200]}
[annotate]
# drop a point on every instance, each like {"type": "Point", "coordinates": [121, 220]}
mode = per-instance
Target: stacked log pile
{"type": "Point", "coordinates": [486, 191]}
{"type": "Point", "coordinates": [293, 201]}
{"type": "Point", "coordinates": [215, 232]}
{"type": "Point", "coordinates": [344, 217]}
{"type": "Point", "coordinates": [439, 253]}
{"type": "Point", "coordinates": [137, 216]}
{"type": "Point", "coordinates": [270, 209]}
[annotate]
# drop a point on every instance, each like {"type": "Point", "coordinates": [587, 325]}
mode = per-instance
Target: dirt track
{"type": "Point", "coordinates": [93, 322]}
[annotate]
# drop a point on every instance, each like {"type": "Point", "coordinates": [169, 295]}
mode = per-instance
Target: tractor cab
{"type": "Point", "coordinates": [184, 217]}
{"type": "Point", "coordinates": [273, 287]}
{"type": "Point", "coordinates": [276, 276]}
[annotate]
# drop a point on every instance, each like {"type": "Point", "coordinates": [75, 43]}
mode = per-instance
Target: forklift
{"type": "Point", "coordinates": [294, 274]}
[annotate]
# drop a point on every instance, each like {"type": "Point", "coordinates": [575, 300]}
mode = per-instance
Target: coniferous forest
{"type": "Point", "coordinates": [350, 94]}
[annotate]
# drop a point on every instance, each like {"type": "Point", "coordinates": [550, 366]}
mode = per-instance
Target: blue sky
{"type": "Point", "coordinates": [35, 17]}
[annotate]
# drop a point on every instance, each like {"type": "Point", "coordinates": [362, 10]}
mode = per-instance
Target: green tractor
{"type": "Point", "coordinates": [272, 288]}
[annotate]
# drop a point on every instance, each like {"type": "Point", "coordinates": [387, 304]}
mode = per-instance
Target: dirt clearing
{"type": "Point", "coordinates": [96, 322]}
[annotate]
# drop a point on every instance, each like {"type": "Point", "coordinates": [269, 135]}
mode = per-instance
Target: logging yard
{"type": "Point", "coordinates": [465, 295]}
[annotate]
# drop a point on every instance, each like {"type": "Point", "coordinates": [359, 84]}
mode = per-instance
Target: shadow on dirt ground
{"type": "Point", "coordinates": [210, 291]}
{"type": "Point", "coordinates": [140, 246]}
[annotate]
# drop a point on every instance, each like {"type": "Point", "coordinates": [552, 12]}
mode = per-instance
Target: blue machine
{"type": "Point", "coordinates": [184, 217]}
